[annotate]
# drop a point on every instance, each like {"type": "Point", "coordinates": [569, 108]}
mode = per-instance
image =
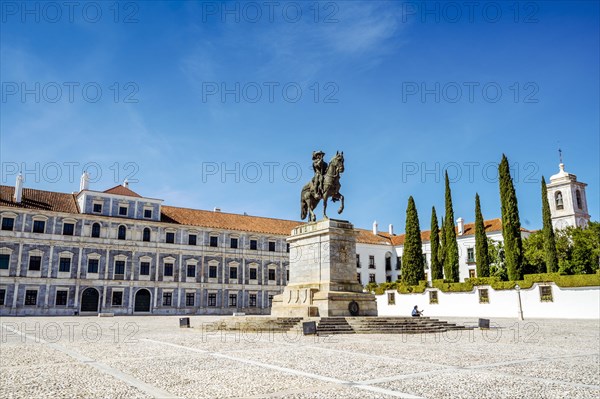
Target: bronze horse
{"type": "Point", "coordinates": [309, 199]}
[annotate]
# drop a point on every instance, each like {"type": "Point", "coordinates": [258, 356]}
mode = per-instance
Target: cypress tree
{"type": "Point", "coordinates": [437, 271]}
{"type": "Point", "coordinates": [413, 268]}
{"type": "Point", "coordinates": [451, 246]}
{"type": "Point", "coordinates": [481, 245]}
{"type": "Point", "coordinates": [548, 232]}
{"type": "Point", "coordinates": [442, 249]}
{"type": "Point", "coordinates": [511, 225]}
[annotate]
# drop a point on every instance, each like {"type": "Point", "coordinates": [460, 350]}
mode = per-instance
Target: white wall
{"type": "Point", "coordinates": [568, 303]}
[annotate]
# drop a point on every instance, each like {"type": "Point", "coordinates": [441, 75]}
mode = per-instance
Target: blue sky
{"type": "Point", "coordinates": [220, 104]}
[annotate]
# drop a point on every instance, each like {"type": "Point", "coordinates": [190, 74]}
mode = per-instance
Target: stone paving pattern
{"type": "Point", "coordinates": [151, 357]}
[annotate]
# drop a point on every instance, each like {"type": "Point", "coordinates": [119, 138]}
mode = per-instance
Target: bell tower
{"type": "Point", "coordinates": [567, 199]}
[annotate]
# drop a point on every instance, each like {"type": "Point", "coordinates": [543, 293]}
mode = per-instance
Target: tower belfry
{"type": "Point", "coordinates": [567, 199]}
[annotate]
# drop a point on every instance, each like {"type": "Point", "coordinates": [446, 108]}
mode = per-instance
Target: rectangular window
{"type": "Point", "coordinates": [168, 269]}
{"type": "Point", "coordinates": [484, 296]}
{"type": "Point", "coordinates": [287, 275]}
{"type": "Point", "coordinates": [371, 262]}
{"type": "Point", "coordinates": [167, 298]}
{"type": "Point", "coordinates": [191, 270]}
{"type": "Point", "coordinates": [190, 299]}
{"type": "Point", "coordinates": [232, 300]}
{"type": "Point", "coordinates": [471, 273]}
{"type": "Point", "coordinates": [388, 264]}
{"type": "Point", "coordinates": [97, 208]}
{"type": "Point", "coordinates": [270, 299]}
{"type": "Point", "coordinates": [214, 241]}
{"type": "Point", "coordinates": [433, 297]}
{"type": "Point", "coordinates": [272, 274]}
{"type": "Point", "coordinates": [2, 296]}
{"type": "Point", "coordinates": [4, 261]}
{"type": "Point", "coordinates": [212, 272]}
{"type": "Point", "coordinates": [123, 210]}
{"type": "Point", "coordinates": [233, 272]}
{"type": "Point", "coordinates": [425, 260]}
{"type": "Point", "coordinates": [92, 266]}
{"type": "Point", "coordinates": [117, 298]}
{"type": "Point", "coordinates": [35, 263]}
{"type": "Point", "coordinates": [252, 298]}
{"type": "Point", "coordinates": [253, 244]}
{"type": "Point", "coordinates": [233, 243]}
{"type": "Point", "coordinates": [8, 224]}
{"type": "Point", "coordinates": [287, 247]}
{"type": "Point", "coordinates": [120, 267]}
{"type": "Point", "coordinates": [64, 265]}
{"type": "Point", "coordinates": [358, 278]}
{"type": "Point", "coordinates": [545, 293]}
{"type": "Point", "coordinates": [68, 229]}
{"type": "Point", "coordinates": [31, 297]}
{"type": "Point", "coordinates": [39, 226]}
{"type": "Point", "coordinates": [212, 299]}
{"type": "Point", "coordinates": [470, 255]}
{"type": "Point", "coordinates": [391, 298]}
{"type": "Point", "coordinates": [148, 213]}
{"type": "Point", "coordinates": [252, 273]}
{"type": "Point", "coordinates": [372, 278]}
{"type": "Point", "coordinates": [192, 239]}
{"type": "Point", "coordinates": [170, 239]}
{"type": "Point", "coordinates": [398, 262]}
{"type": "Point", "coordinates": [144, 268]}
{"type": "Point", "coordinates": [271, 246]}
{"type": "Point", "coordinates": [388, 279]}
{"type": "Point", "coordinates": [61, 298]}
{"type": "Point", "coordinates": [357, 260]}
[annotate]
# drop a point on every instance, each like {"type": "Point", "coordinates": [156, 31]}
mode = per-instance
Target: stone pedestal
{"type": "Point", "coordinates": [323, 274]}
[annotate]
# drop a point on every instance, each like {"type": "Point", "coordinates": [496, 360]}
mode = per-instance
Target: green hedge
{"type": "Point", "coordinates": [578, 280]}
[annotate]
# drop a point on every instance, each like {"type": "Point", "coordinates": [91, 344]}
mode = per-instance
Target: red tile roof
{"type": "Point", "coordinates": [469, 229]}
{"type": "Point", "coordinates": [39, 199]}
{"type": "Point", "coordinates": [121, 190]}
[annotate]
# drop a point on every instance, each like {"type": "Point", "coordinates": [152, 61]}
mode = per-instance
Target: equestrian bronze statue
{"type": "Point", "coordinates": [325, 184]}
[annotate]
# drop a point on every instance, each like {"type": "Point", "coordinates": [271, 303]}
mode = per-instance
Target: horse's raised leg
{"type": "Point", "coordinates": [325, 207]}
{"type": "Point", "coordinates": [342, 204]}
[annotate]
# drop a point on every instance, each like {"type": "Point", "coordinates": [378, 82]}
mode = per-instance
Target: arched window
{"type": "Point", "coordinates": [122, 232]}
{"type": "Point", "coordinates": [578, 198]}
{"type": "Point", "coordinates": [96, 230]}
{"type": "Point", "coordinates": [559, 200]}
{"type": "Point", "coordinates": [146, 234]}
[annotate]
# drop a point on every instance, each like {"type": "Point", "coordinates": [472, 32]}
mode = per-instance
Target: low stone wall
{"type": "Point", "coordinates": [565, 303]}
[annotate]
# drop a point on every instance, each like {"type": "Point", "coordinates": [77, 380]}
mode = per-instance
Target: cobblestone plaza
{"type": "Point", "coordinates": [151, 357]}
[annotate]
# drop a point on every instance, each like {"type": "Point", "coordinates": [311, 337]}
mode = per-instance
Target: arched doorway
{"type": "Point", "coordinates": [90, 298]}
{"type": "Point", "coordinates": [142, 301]}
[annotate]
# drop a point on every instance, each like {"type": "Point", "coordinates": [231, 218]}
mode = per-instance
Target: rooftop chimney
{"type": "Point", "coordinates": [18, 189]}
{"type": "Point", "coordinates": [460, 223]}
{"type": "Point", "coordinates": [84, 182]}
{"type": "Point", "coordinates": [375, 227]}
{"type": "Point", "coordinates": [126, 183]}
{"type": "Point", "coordinates": [391, 229]}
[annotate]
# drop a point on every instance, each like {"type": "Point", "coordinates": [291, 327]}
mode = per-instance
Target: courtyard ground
{"type": "Point", "coordinates": [151, 357]}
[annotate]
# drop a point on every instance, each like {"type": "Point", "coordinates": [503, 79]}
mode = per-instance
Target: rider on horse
{"type": "Point", "coordinates": [320, 168]}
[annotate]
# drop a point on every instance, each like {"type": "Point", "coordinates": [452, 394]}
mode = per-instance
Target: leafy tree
{"type": "Point", "coordinates": [511, 225]}
{"type": "Point", "coordinates": [497, 261]}
{"type": "Point", "coordinates": [534, 256]}
{"type": "Point", "coordinates": [413, 268]}
{"type": "Point", "coordinates": [550, 258]}
{"type": "Point", "coordinates": [451, 246]}
{"type": "Point", "coordinates": [581, 249]}
{"type": "Point", "coordinates": [437, 270]}
{"type": "Point", "coordinates": [481, 244]}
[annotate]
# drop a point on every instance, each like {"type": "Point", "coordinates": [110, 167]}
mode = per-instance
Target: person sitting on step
{"type": "Point", "coordinates": [416, 312]}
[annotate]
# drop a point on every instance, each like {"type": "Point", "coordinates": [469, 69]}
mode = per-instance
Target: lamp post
{"type": "Point", "coordinates": [518, 288]}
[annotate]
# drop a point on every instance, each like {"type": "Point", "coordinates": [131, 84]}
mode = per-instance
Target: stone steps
{"type": "Point", "coordinates": [383, 325]}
